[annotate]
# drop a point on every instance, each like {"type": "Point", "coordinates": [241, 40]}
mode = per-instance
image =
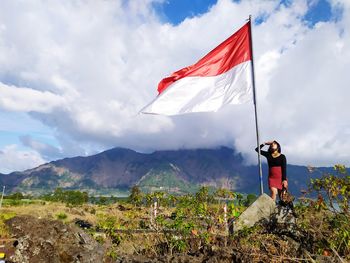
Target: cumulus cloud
{"type": "Point", "coordinates": [14, 159]}
{"type": "Point", "coordinates": [25, 99]}
{"type": "Point", "coordinates": [309, 111]}
{"type": "Point", "coordinates": [86, 68]}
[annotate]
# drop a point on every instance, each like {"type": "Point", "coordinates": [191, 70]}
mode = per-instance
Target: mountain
{"type": "Point", "coordinates": [178, 171]}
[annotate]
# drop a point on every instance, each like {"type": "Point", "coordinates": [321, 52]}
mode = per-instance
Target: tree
{"type": "Point", "coordinates": [203, 195]}
{"type": "Point", "coordinates": [70, 197]}
{"type": "Point", "coordinates": [136, 196]}
{"type": "Point", "coordinates": [75, 197]}
{"type": "Point", "coordinates": [15, 196]}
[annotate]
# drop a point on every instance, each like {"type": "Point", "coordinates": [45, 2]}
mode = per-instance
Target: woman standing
{"type": "Point", "coordinates": [277, 167]}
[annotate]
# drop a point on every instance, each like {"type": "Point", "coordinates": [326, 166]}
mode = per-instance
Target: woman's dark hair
{"type": "Point", "coordinates": [278, 147]}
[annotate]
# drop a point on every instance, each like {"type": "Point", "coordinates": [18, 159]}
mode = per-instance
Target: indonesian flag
{"type": "Point", "coordinates": [223, 76]}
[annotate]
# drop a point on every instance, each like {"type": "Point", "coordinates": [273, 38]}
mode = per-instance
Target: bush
{"type": "Point", "coordinates": [250, 199]}
{"type": "Point", "coordinates": [135, 196]}
{"type": "Point", "coordinates": [61, 216]}
{"type": "Point", "coordinates": [4, 232]}
{"type": "Point", "coordinates": [335, 189]}
{"type": "Point", "coordinates": [15, 196]}
{"type": "Point", "coordinates": [109, 225]}
{"type": "Point", "coordinates": [70, 197]}
{"type": "Point", "coordinates": [333, 192]}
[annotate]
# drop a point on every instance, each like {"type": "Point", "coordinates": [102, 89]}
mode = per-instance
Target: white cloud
{"type": "Point", "coordinates": [14, 159]}
{"type": "Point", "coordinates": [25, 99]}
{"type": "Point", "coordinates": [309, 96]}
{"type": "Point", "coordinates": [86, 68]}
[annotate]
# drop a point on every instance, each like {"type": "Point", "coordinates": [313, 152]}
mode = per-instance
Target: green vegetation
{"type": "Point", "coordinates": [165, 179]}
{"type": "Point", "coordinates": [109, 224]}
{"type": "Point", "coordinates": [197, 222]}
{"type": "Point", "coordinates": [61, 216]}
{"type": "Point", "coordinates": [136, 196]}
{"type": "Point", "coordinates": [4, 232]}
{"type": "Point", "coordinates": [69, 197]}
{"type": "Point", "coordinates": [332, 205]}
{"type": "Point", "coordinates": [17, 198]}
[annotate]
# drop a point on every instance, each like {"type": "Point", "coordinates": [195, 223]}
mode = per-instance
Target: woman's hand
{"type": "Point", "coordinates": [285, 184]}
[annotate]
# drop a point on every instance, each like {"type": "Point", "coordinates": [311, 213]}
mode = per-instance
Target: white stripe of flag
{"type": "Point", "coordinates": [222, 77]}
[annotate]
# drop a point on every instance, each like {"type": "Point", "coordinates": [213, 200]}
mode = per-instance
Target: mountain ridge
{"type": "Point", "coordinates": [121, 168]}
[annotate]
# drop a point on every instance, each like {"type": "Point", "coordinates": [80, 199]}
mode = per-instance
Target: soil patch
{"type": "Point", "coordinates": [44, 240]}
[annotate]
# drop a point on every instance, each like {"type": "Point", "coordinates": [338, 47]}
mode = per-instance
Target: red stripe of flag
{"type": "Point", "coordinates": [232, 52]}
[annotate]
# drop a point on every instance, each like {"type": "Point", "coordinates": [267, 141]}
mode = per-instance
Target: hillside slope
{"type": "Point", "coordinates": [176, 171]}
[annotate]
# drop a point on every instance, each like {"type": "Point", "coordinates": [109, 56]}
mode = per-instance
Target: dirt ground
{"type": "Point", "coordinates": [34, 233]}
{"type": "Point", "coordinates": [43, 240]}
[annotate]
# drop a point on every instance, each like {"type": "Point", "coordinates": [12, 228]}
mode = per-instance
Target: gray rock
{"type": "Point", "coordinates": [261, 209]}
{"type": "Point", "coordinates": [42, 241]}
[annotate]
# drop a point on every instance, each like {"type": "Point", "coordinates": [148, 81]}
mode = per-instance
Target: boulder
{"type": "Point", "coordinates": [261, 209]}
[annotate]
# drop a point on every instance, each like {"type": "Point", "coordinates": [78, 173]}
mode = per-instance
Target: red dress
{"type": "Point", "coordinates": [275, 177]}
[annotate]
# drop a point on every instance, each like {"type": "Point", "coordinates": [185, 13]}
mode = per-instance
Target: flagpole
{"type": "Point", "coordinates": [2, 196]}
{"type": "Point", "coordinates": [255, 106]}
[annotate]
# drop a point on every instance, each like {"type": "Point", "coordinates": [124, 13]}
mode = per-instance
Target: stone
{"type": "Point", "coordinates": [45, 240]}
{"type": "Point", "coordinates": [261, 209]}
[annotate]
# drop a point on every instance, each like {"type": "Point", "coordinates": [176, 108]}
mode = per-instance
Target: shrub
{"type": "Point", "coordinates": [70, 197]}
{"type": "Point", "coordinates": [15, 196]}
{"type": "Point", "coordinates": [335, 188]}
{"type": "Point", "coordinates": [135, 196]}
{"type": "Point", "coordinates": [61, 216]}
{"type": "Point", "coordinates": [4, 232]}
{"type": "Point", "coordinates": [109, 225]}
{"type": "Point", "coordinates": [334, 195]}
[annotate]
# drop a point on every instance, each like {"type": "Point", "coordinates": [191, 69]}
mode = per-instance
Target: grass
{"type": "Point", "coordinates": [4, 232]}
{"type": "Point", "coordinates": [61, 216]}
{"type": "Point", "coordinates": [92, 213]}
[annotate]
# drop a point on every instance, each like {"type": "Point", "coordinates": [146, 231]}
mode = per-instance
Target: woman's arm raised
{"type": "Point", "coordinates": [264, 153]}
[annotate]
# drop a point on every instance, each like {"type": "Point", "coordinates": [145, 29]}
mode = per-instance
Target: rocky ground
{"type": "Point", "coordinates": [282, 238]}
{"type": "Point", "coordinates": [43, 240]}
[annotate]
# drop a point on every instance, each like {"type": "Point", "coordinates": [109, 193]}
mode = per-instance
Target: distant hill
{"type": "Point", "coordinates": [178, 171]}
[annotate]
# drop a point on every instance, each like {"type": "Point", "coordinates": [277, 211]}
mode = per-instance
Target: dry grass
{"type": "Point", "coordinates": [91, 213]}
{"type": "Point", "coordinates": [51, 210]}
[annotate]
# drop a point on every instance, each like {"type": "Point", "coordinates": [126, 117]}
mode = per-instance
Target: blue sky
{"type": "Point", "coordinates": [175, 11]}
{"type": "Point", "coordinates": [75, 90]}
{"type": "Point", "coordinates": [15, 125]}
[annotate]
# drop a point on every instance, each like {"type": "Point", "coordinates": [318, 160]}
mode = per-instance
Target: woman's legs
{"type": "Point", "coordinates": [274, 192]}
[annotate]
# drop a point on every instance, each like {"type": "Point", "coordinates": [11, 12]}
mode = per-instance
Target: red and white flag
{"type": "Point", "coordinates": [223, 76]}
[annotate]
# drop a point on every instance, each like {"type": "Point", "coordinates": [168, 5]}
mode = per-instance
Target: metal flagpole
{"type": "Point", "coordinates": [255, 106]}
{"type": "Point", "coordinates": [2, 196]}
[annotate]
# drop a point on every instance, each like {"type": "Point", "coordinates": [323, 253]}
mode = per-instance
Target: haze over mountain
{"type": "Point", "coordinates": [178, 171]}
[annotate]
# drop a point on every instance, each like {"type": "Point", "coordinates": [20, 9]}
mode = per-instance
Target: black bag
{"type": "Point", "coordinates": [286, 197]}
{"type": "Point", "coordinates": [286, 200]}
